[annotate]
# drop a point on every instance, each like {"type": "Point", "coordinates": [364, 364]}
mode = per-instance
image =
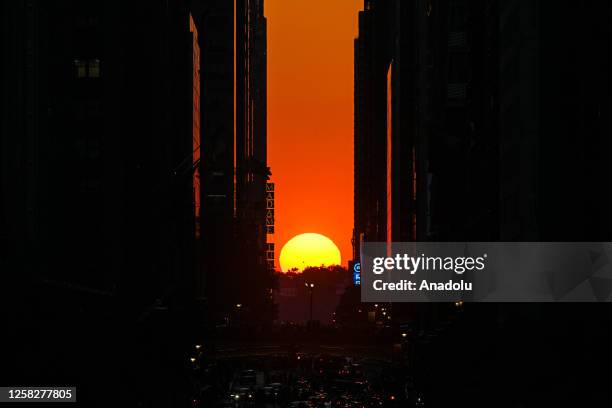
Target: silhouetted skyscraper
{"type": "Point", "coordinates": [371, 62]}
{"type": "Point", "coordinates": [425, 121]}
{"type": "Point", "coordinates": [252, 171]}
{"type": "Point", "coordinates": [422, 138]}
{"type": "Point", "coordinates": [218, 240]}
{"type": "Point", "coordinates": [554, 121]}
{"type": "Point", "coordinates": [100, 129]}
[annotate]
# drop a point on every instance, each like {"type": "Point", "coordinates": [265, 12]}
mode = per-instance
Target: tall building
{"type": "Point", "coordinates": [100, 144]}
{"type": "Point", "coordinates": [252, 171]}
{"type": "Point", "coordinates": [481, 121]}
{"type": "Point", "coordinates": [386, 124]}
{"type": "Point", "coordinates": [425, 128]}
{"type": "Point", "coordinates": [425, 121]}
{"type": "Point", "coordinates": [493, 126]}
{"type": "Point", "coordinates": [216, 23]}
{"type": "Point", "coordinates": [233, 188]}
{"type": "Point", "coordinates": [372, 59]}
{"type": "Point", "coordinates": [457, 174]}
{"type": "Point", "coordinates": [553, 118]}
{"type": "Point", "coordinates": [234, 172]}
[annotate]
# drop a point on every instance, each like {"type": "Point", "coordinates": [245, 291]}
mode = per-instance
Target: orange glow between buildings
{"type": "Point", "coordinates": [310, 117]}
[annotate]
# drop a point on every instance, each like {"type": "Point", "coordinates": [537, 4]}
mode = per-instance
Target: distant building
{"type": "Point", "coordinates": [293, 295]}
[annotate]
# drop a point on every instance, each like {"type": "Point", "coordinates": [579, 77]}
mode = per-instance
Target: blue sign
{"type": "Point", "coordinates": [357, 273]}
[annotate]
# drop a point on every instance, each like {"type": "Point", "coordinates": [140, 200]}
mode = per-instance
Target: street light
{"type": "Point", "coordinates": [310, 287]}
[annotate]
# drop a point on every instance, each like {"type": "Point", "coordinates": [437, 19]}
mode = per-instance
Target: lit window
{"type": "Point", "coordinates": [94, 68]}
{"type": "Point", "coordinates": [80, 68]}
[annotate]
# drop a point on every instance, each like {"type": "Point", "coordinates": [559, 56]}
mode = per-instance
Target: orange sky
{"type": "Point", "coordinates": [310, 117]}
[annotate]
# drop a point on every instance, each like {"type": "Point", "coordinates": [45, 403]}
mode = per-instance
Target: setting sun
{"type": "Point", "coordinates": [309, 249]}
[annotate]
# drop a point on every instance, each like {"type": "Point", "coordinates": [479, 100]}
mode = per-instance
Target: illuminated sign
{"type": "Point", "coordinates": [270, 251]}
{"type": "Point", "coordinates": [355, 269]}
{"type": "Point", "coordinates": [270, 208]}
{"type": "Point", "coordinates": [270, 255]}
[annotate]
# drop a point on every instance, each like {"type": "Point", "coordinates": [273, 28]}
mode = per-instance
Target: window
{"type": "Point", "coordinates": [80, 68]}
{"type": "Point", "coordinates": [94, 68]}
{"type": "Point", "coordinates": [87, 69]}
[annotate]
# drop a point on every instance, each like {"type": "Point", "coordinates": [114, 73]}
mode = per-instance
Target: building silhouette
{"type": "Point", "coordinates": [485, 121]}
{"type": "Point", "coordinates": [371, 59]}
{"type": "Point", "coordinates": [425, 122]}
{"type": "Point", "coordinates": [100, 153]}
{"type": "Point", "coordinates": [553, 114]}
{"type": "Point", "coordinates": [216, 22]}
{"type": "Point", "coordinates": [252, 171]}
{"type": "Point", "coordinates": [465, 113]}
{"type": "Point", "coordinates": [234, 159]}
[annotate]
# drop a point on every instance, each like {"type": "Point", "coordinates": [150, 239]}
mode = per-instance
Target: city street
{"type": "Point", "coordinates": [280, 379]}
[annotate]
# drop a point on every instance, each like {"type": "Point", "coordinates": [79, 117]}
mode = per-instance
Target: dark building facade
{"type": "Point", "coordinates": [484, 121]}
{"type": "Point", "coordinates": [465, 112]}
{"type": "Point", "coordinates": [100, 149]}
{"type": "Point", "coordinates": [426, 121]}
{"type": "Point", "coordinates": [372, 59]}
{"type": "Point", "coordinates": [216, 22]}
{"type": "Point", "coordinates": [553, 115]}
{"type": "Point", "coordinates": [252, 171]}
{"type": "Point", "coordinates": [234, 151]}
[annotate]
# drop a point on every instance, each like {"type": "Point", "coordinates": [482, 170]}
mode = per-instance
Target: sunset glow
{"type": "Point", "coordinates": [309, 250]}
{"type": "Point", "coordinates": [310, 116]}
